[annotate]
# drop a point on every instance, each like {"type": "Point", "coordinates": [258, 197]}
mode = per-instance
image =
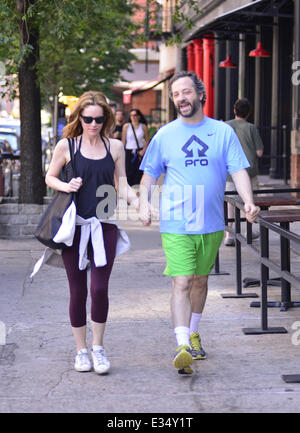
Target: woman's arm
{"type": "Point", "coordinates": [146, 137]}
{"type": "Point", "coordinates": [61, 156]}
{"type": "Point", "coordinates": [146, 209]}
{"type": "Point", "coordinates": [125, 191]}
{"type": "Point", "coordinates": [124, 134]}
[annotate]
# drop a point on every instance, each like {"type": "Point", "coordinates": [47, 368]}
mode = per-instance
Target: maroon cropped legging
{"type": "Point", "coordinates": [99, 278]}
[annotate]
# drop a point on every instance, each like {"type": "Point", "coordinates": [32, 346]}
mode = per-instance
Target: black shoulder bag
{"type": "Point", "coordinates": [138, 145]}
{"type": "Point", "coordinates": [53, 215]}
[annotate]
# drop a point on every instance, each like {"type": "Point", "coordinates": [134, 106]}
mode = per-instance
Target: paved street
{"type": "Point", "coordinates": [241, 373]}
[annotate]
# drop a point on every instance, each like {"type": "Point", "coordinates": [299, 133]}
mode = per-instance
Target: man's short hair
{"type": "Point", "coordinates": [242, 107]}
{"type": "Point", "coordinates": [198, 84]}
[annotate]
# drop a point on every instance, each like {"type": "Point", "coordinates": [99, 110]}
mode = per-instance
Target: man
{"type": "Point", "coordinates": [253, 147]}
{"type": "Point", "coordinates": [194, 152]}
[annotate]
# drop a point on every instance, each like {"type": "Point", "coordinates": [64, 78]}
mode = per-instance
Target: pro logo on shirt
{"type": "Point", "coordinates": [195, 152]}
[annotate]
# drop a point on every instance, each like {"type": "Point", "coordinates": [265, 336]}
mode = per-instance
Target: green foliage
{"type": "Point", "coordinates": [83, 43]}
{"type": "Point", "coordinates": [180, 16]}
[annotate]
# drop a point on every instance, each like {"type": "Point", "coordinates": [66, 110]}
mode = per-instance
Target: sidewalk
{"type": "Point", "coordinates": [241, 373]}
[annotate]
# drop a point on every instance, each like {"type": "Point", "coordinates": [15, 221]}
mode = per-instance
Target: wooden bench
{"type": "Point", "coordinates": [265, 202]}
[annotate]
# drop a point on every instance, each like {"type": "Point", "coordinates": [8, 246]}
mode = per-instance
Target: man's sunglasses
{"type": "Point", "coordinates": [89, 119]}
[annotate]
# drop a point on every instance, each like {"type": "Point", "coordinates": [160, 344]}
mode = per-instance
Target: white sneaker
{"type": "Point", "coordinates": [82, 362]}
{"type": "Point", "coordinates": [101, 363]}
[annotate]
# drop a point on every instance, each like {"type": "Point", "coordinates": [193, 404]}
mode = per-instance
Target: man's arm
{"type": "Point", "coordinates": [243, 186]}
{"type": "Point", "coordinates": [146, 185]}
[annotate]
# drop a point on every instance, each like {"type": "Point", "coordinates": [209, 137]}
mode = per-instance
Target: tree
{"type": "Point", "coordinates": [91, 51]}
{"type": "Point", "coordinates": [62, 45]}
{"type": "Point", "coordinates": [32, 184]}
{"type": "Point", "coordinates": [68, 46]}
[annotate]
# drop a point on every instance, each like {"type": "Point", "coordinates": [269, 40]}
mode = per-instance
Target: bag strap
{"type": "Point", "coordinates": [105, 145]}
{"type": "Point", "coordinates": [71, 150]}
{"type": "Point", "coordinates": [71, 142]}
{"type": "Point", "coordinates": [137, 142]}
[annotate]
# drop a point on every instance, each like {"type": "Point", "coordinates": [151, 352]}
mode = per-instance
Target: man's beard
{"type": "Point", "coordinates": [195, 105]}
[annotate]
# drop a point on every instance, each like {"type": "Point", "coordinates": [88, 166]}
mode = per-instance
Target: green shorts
{"type": "Point", "coordinates": [190, 254]}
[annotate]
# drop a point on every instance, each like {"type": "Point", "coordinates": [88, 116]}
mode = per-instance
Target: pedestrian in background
{"type": "Point", "coordinates": [253, 147]}
{"type": "Point", "coordinates": [195, 153]}
{"type": "Point", "coordinates": [135, 138]}
{"type": "Point", "coordinates": [97, 160]}
{"type": "Point", "coordinates": [119, 122]}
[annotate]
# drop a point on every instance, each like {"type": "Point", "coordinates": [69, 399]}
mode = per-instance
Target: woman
{"type": "Point", "coordinates": [97, 160]}
{"type": "Point", "coordinates": [135, 137]}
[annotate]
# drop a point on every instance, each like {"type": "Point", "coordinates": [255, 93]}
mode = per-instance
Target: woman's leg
{"type": "Point", "coordinates": [99, 283]}
{"type": "Point", "coordinates": [129, 167]}
{"type": "Point", "coordinates": [78, 291]}
{"type": "Point", "coordinates": [98, 333]}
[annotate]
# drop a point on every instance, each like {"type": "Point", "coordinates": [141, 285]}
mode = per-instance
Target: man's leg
{"type": "Point", "coordinates": [198, 293]}
{"type": "Point", "coordinates": [180, 254]}
{"type": "Point", "coordinates": [181, 315]}
{"type": "Point", "coordinates": [198, 297]}
{"type": "Point", "coordinates": [180, 300]}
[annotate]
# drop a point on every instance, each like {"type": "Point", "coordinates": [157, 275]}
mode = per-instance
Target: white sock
{"type": "Point", "coordinates": [96, 347]}
{"type": "Point", "coordinates": [182, 334]}
{"type": "Point", "coordinates": [194, 324]}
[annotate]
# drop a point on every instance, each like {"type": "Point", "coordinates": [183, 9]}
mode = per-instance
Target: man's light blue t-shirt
{"type": "Point", "coordinates": [195, 160]}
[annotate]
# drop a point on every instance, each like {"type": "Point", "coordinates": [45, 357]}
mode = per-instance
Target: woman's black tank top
{"type": "Point", "coordinates": [94, 173]}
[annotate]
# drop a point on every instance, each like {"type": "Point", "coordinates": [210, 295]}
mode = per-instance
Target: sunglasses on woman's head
{"type": "Point", "coordinates": [89, 119]}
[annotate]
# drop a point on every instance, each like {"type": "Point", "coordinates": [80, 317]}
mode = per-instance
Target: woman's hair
{"type": "Point", "coordinates": [74, 128]}
{"type": "Point", "coordinates": [142, 117]}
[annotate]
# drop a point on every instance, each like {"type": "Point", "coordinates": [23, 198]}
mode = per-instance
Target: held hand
{"type": "Point", "coordinates": [146, 213]}
{"type": "Point", "coordinates": [74, 184]}
{"type": "Point", "coordinates": [251, 212]}
{"type": "Point", "coordinates": [143, 211]}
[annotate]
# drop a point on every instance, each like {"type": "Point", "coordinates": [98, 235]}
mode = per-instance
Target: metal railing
{"type": "Point", "coordinates": [282, 269]}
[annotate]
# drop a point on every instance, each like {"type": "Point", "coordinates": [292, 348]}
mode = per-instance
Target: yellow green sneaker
{"type": "Point", "coordinates": [197, 350]}
{"type": "Point", "coordinates": [183, 359]}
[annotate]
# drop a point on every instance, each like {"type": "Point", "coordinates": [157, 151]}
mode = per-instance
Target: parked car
{"type": "Point", "coordinates": [11, 124]}
{"type": "Point", "coordinates": [11, 136]}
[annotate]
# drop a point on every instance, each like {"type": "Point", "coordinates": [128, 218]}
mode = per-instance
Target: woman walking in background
{"type": "Point", "coordinates": [97, 160]}
{"type": "Point", "coordinates": [135, 138]}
